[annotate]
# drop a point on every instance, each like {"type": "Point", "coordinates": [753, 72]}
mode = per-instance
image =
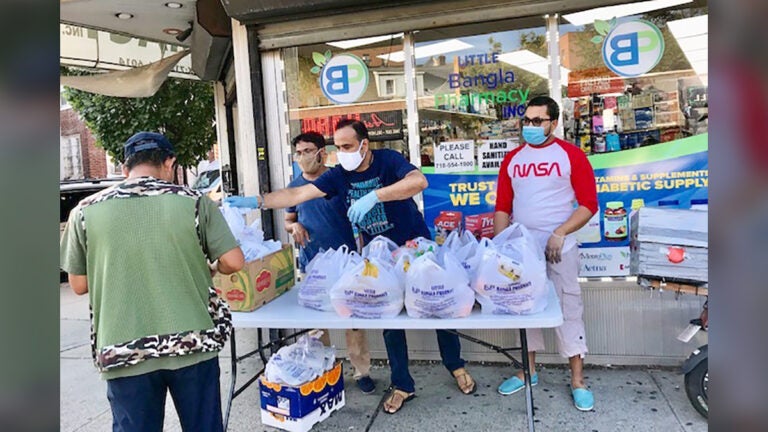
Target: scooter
{"type": "Point", "coordinates": [696, 367]}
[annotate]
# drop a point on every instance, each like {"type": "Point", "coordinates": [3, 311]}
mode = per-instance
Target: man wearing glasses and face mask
{"type": "Point", "coordinates": [548, 186]}
{"type": "Point", "coordinates": [321, 224]}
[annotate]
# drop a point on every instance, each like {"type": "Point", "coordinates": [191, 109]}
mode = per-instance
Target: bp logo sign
{"type": "Point", "coordinates": [343, 77]}
{"type": "Point", "coordinates": [631, 48]}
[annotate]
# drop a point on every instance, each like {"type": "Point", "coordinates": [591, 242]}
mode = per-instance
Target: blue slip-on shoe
{"type": "Point", "coordinates": [583, 399]}
{"type": "Point", "coordinates": [515, 384]}
{"type": "Point", "coordinates": [366, 384]}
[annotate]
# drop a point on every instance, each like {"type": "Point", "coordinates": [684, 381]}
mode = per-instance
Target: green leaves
{"type": "Point", "coordinates": [602, 27]}
{"type": "Point", "coordinates": [320, 60]}
{"type": "Point", "coordinates": [181, 109]}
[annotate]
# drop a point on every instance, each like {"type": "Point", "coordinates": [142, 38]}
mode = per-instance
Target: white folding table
{"type": "Point", "coordinates": [285, 312]}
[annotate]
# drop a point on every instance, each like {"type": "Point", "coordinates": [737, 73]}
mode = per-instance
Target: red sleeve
{"type": "Point", "coordinates": [582, 177]}
{"type": "Point", "coordinates": [504, 192]}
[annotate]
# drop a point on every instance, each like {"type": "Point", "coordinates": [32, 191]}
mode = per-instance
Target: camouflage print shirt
{"type": "Point", "coordinates": [143, 245]}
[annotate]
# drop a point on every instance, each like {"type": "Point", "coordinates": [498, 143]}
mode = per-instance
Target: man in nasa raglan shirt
{"type": "Point", "coordinates": [548, 186]}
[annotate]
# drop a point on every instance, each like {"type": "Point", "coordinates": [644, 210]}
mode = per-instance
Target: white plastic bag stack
{"type": "Point", "coordinates": [321, 273]}
{"type": "Point", "coordinates": [368, 289]}
{"type": "Point", "coordinates": [250, 237]}
{"type": "Point", "coordinates": [511, 276]}
{"type": "Point", "coordinates": [300, 362]}
{"type": "Point", "coordinates": [438, 287]}
{"type": "Point", "coordinates": [463, 246]}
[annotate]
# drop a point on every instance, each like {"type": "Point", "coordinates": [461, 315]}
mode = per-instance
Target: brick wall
{"type": "Point", "coordinates": [94, 158]}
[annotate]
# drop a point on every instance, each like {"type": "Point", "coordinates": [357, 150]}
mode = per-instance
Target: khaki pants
{"type": "Point", "coordinates": [571, 338]}
{"type": "Point", "coordinates": [357, 351]}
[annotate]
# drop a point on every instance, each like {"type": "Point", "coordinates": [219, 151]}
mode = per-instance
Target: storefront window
{"type": "Point", "coordinates": [635, 80]}
{"type": "Point", "coordinates": [475, 89]}
{"type": "Point", "coordinates": [361, 79]}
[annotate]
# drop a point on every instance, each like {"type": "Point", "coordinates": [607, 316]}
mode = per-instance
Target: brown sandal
{"type": "Point", "coordinates": [396, 400]}
{"type": "Point", "coordinates": [464, 381]}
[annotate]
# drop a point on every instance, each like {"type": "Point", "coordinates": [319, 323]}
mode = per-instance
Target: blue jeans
{"type": "Point", "coordinates": [397, 351]}
{"type": "Point", "coordinates": [138, 402]}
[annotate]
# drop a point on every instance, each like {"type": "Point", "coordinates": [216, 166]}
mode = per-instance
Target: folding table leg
{"type": "Point", "coordinates": [527, 376]}
{"type": "Point", "coordinates": [233, 346]}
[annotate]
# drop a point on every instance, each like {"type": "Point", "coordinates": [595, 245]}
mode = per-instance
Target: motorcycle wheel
{"type": "Point", "coordinates": [697, 386]}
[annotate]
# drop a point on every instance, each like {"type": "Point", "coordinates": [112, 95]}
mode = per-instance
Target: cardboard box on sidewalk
{"type": "Point", "coordinates": [259, 282]}
{"type": "Point", "coordinates": [297, 409]}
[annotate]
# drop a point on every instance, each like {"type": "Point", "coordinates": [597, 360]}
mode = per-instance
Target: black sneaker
{"type": "Point", "coordinates": [366, 385]}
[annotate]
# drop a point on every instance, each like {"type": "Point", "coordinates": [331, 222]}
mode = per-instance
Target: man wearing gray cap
{"type": "Point", "coordinates": [141, 251]}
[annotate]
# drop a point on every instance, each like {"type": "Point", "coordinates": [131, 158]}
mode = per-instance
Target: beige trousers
{"type": "Point", "coordinates": [357, 351]}
{"type": "Point", "coordinates": [571, 337]}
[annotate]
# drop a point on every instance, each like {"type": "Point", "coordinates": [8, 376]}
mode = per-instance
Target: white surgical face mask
{"type": "Point", "coordinates": [352, 160]}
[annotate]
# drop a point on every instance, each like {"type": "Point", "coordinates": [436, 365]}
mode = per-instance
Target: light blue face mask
{"type": "Point", "coordinates": [534, 135]}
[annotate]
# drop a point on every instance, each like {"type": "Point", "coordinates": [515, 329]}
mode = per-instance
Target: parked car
{"type": "Point", "coordinates": [72, 192]}
{"type": "Point", "coordinates": [209, 181]}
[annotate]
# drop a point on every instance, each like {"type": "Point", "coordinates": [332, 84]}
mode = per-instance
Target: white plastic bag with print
{"type": "Point", "coordinates": [463, 246]}
{"type": "Point", "coordinates": [300, 362]}
{"type": "Point", "coordinates": [438, 288]}
{"type": "Point", "coordinates": [511, 276]}
{"type": "Point", "coordinates": [321, 273]}
{"type": "Point", "coordinates": [381, 248]}
{"type": "Point", "coordinates": [368, 289]}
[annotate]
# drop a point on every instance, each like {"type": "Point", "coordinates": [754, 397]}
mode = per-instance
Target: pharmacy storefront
{"type": "Point", "coordinates": [446, 85]}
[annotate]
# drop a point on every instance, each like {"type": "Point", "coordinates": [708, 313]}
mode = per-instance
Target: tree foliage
{"type": "Point", "coordinates": [181, 109]}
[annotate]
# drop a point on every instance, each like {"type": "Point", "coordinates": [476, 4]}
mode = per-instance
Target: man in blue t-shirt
{"type": "Point", "coordinates": [378, 188]}
{"type": "Point", "coordinates": [322, 224]}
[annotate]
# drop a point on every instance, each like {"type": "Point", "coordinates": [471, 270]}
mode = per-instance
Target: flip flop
{"type": "Point", "coordinates": [397, 395]}
{"type": "Point", "coordinates": [462, 373]}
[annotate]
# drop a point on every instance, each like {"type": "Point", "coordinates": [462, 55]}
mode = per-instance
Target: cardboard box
{"type": "Point", "coordinates": [297, 409]}
{"type": "Point", "coordinates": [446, 222]}
{"type": "Point", "coordinates": [480, 225]}
{"type": "Point", "coordinates": [259, 282]}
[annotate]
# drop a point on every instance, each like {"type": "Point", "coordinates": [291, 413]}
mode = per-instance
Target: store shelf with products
{"type": "Point", "coordinates": [615, 122]}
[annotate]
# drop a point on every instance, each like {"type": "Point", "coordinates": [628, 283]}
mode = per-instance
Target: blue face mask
{"type": "Point", "coordinates": [534, 135]}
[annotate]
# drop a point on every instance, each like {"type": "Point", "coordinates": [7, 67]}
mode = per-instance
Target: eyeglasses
{"type": "Point", "coordinates": [534, 121]}
{"type": "Point", "coordinates": [308, 152]}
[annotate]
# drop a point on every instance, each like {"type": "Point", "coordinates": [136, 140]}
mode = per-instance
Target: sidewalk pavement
{"type": "Point", "coordinates": [626, 399]}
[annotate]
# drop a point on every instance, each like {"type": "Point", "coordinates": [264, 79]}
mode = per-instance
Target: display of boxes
{"type": "Point", "coordinates": [259, 282]}
{"type": "Point", "coordinates": [297, 409]}
{"type": "Point", "coordinates": [669, 243]}
{"type": "Point", "coordinates": [480, 225]}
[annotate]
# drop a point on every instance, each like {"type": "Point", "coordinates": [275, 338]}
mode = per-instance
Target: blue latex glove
{"type": "Point", "coordinates": [361, 207]}
{"type": "Point", "coordinates": [242, 202]}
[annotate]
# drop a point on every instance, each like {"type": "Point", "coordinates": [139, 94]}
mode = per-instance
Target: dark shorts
{"type": "Point", "coordinates": [138, 402]}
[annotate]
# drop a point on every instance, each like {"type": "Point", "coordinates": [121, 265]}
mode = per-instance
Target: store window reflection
{"type": "Point", "coordinates": [476, 88]}
{"type": "Point", "coordinates": [607, 112]}
{"type": "Point", "coordinates": [348, 79]}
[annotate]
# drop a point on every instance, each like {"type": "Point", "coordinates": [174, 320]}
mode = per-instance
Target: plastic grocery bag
{"type": "Point", "coordinates": [463, 246]}
{"type": "Point", "coordinates": [422, 245]}
{"type": "Point", "coordinates": [438, 288]}
{"type": "Point", "coordinates": [511, 276]}
{"type": "Point", "coordinates": [321, 273]}
{"type": "Point", "coordinates": [381, 248]}
{"type": "Point", "coordinates": [249, 237]}
{"type": "Point", "coordinates": [300, 362]}
{"type": "Point", "coordinates": [368, 289]}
